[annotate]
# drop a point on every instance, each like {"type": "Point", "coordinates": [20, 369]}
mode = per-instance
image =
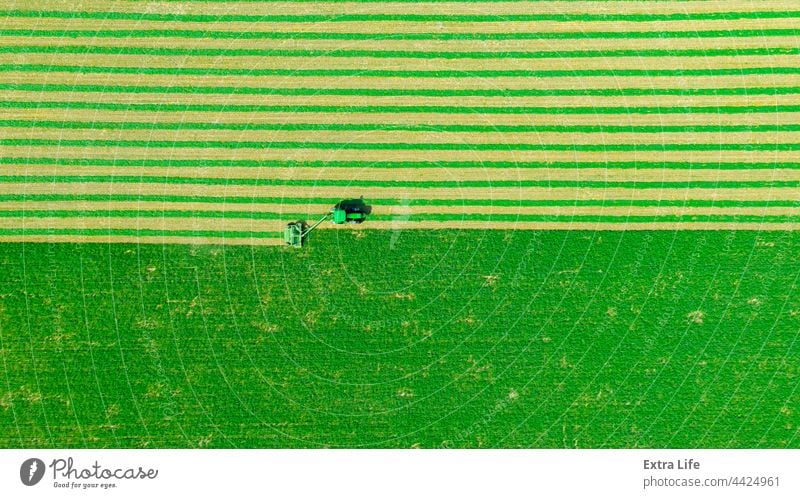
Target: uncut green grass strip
{"type": "Point", "coordinates": [401, 92]}
{"type": "Point", "coordinates": [399, 73]}
{"type": "Point", "coordinates": [395, 109]}
{"type": "Point", "coordinates": [452, 128]}
{"type": "Point", "coordinates": [398, 183]}
{"type": "Point", "coordinates": [217, 144]}
{"type": "Point", "coordinates": [395, 54]}
{"type": "Point", "coordinates": [314, 18]}
{"type": "Point", "coordinates": [288, 35]}
{"type": "Point", "coordinates": [138, 232]}
{"type": "Point", "coordinates": [709, 218]}
{"type": "Point", "coordinates": [246, 163]}
{"type": "Point", "coordinates": [415, 217]}
{"type": "Point", "coordinates": [254, 200]}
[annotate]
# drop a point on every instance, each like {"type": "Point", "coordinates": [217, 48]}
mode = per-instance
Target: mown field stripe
{"type": "Point", "coordinates": [321, 35]}
{"type": "Point", "coordinates": [396, 183]}
{"type": "Point", "coordinates": [400, 92]}
{"type": "Point", "coordinates": [245, 163]}
{"type": "Point", "coordinates": [414, 217]}
{"type": "Point", "coordinates": [219, 144]}
{"type": "Point", "coordinates": [138, 232]}
{"type": "Point", "coordinates": [255, 200]}
{"type": "Point", "coordinates": [316, 18]}
{"type": "Point", "coordinates": [399, 73]}
{"type": "Point", "coordinates": [394, 54]}
{"type": "Point", "coordinates": [394, 109]}
{"type": "Point", "coordinates": [450, 128]}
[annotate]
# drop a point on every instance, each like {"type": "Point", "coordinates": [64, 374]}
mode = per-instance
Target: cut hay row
{"type": "Point", "coordinates": [490, 93]}
{"type": "Point", "coordinates": [320, 13]}
{"type": "Point", "coordinates": [358, 7]}
{"type": "Point", "coordinates": [352, 24]}
{"type": "Point", "coordinates": [394, 184]}
{"type": "Point", "coordinates": [453, 110]}
{"type": "Point", "coordinates": [218, 122]}
{"type": "Point", "coordinates": [357, 176]}
{"type": "Point", "coordinates": [750, 84]}
{"type": "Point", "coordinates": [149, 201]}
{"type": "Point", "coordinates": [117, 49]}
{"type": "Point", "coordinates": [410, 212]}
{"type": "Point", "coordinates": [268, 225]}
{"type": "Point", "coordinates": [395, 139]}
{"type": "Point", "coordinates": [629, 104]}
{"type": "Point", "coordinates": [21, 127]}
{"type": "Point", "coordinates": [158, 120]}
{"type": "Point", "coordinates": [230, 44]}
{"type": "Point", "coordinates": [355, 63]}
{"type": "Point", "coordinates": [333, 154]}
{"type": "Point", "coordinates": [520, 194]}
{"type": "Point", "coordinates": [468, 76]}
{"type": "Point", "coordinates": [64, 162]}
{"type": "Point", "coordinates": [179, 34]}
{"type": "Point", "coordinates": [389, 28]}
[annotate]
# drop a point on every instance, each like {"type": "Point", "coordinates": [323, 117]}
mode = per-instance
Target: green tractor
{"type": "Point", "coordinates": [345, 211]}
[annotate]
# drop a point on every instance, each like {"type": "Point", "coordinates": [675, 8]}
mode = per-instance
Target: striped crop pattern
{"type": "Point", "coordinates": [220, 121]}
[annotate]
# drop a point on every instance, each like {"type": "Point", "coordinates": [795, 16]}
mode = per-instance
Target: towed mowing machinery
{"type": "Point", "coordinates": [345, 211]}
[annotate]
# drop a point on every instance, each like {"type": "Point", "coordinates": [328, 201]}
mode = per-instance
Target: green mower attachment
{"type": "Point", "coordinates": [293, 234]}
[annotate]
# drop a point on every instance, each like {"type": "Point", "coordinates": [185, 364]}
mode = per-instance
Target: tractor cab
{"type": "Point", "coordinates": [350, 211]}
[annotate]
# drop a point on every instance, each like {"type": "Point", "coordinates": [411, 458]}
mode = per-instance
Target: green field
{"type": "Point", "coordinates": [406, 338]}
